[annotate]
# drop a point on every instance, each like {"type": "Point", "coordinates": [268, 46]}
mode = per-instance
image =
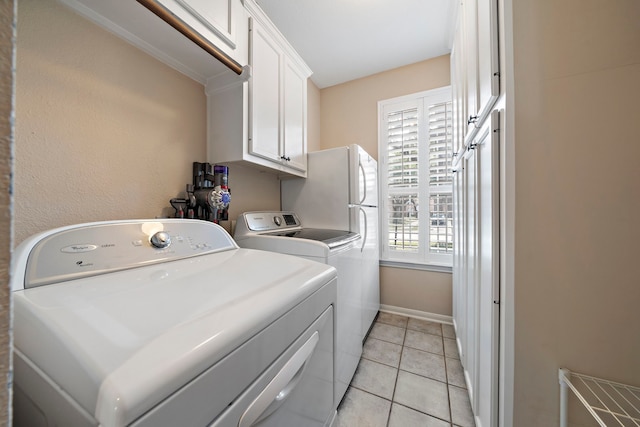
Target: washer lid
{"type": "Point", "coordinates": [332, 238]}
{"type": "Point", "coordinates": [120, 343]}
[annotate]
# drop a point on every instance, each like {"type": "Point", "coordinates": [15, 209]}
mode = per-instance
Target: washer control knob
{"type": "Point", "coordinates": [277, 221]}
{"type": "Point", "coordinates": [161, 240]}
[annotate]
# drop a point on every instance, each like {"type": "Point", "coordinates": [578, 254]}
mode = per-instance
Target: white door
{"type": "Point", "coordinates": [488, 86]}
{"type": "Point", "coordinates": [264, 95]}
{"type": "Point", "coordinates": [459, 261]}
{"type": "Point", "coordinates": [295, 100]}
{"type": "Point", "coordinates": [488, 287]}
{"type": "Point", "coordinates": [470, 340]}
{"type": "Point", "coordinates": [370, 253]}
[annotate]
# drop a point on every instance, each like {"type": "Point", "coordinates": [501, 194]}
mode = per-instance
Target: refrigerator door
{"type": "Point", "coordinates": [368, 221]}
{"type": "Point", "coordinates": [363, 177]}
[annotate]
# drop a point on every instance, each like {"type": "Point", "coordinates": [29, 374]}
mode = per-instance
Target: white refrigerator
{"type": "Point", "coordinates": [341, 193]}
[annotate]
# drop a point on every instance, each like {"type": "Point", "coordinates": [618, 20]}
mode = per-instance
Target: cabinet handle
{"type": "Point", "coordinates": [288, 159]}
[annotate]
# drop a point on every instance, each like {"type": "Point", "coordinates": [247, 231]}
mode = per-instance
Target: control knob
{"type": "Point", "coordinates": [161, 240]}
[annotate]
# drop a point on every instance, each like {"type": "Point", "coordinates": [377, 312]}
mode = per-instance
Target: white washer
{"type": "Point", "coordinates": [282, 232]}
{"type": "Point", "coordinates": [169, 323]}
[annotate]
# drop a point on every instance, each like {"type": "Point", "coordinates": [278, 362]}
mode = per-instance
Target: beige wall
{"type": "Point", "coordinates": [7, 21]}
{"type": "Point", "coordinates": [577, 182]}
{"type": "Point", "coordinates": [350, 110]}
{"type": "Point", "coordinates": [103, 130]}
{"type": "Point", "coordinates": [418, 290]}
{"type": "Point", "coordinates": [349, 115]}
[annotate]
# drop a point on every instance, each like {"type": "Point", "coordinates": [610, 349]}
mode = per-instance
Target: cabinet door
{"type": "Point", "coordinates": [480, 20]}
{"type": "Point", "coordinates": [488, 87]}
{"type": "Point", "coordinates": [458, 92]}
{"type": "Point", "coordinates": [213, 19]}
{"type": "Point", "coordinates": [459, 262]}
{"type": "Point", "coordinates": [471, 275]}
{"type": "Point", "coordinates": [215, 14]}
{"type": "Point", "coordinates": [295, 107]}
{"type": "Point", "coordinates": [488, 289]}
{"type": "Point", "coordinates": [480, 268]}
{"type": "Point", "coordinates": [469, 35]}
{"type": "Point", "coordinates": [264, 94]}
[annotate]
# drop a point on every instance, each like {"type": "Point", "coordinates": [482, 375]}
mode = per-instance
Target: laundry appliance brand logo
{"type": "Point", "coordinates": [78, 248]}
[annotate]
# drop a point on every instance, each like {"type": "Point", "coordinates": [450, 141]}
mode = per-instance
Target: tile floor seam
{"type": "Point", "coordinates": [446, 362]}
{"type": "Point", "coordinates": [446, 375]}
{"type": "Point", "coordinates": [395, 384]}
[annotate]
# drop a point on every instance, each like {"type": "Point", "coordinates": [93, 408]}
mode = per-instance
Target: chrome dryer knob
{"type": "Point", "coordinates": [161, 240]}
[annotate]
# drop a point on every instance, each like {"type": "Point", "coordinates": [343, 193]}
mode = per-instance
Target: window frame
{"type": "Point", "coordinates": [423, 258]}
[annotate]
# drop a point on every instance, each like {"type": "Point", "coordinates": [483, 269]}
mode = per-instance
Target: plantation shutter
{"type": "Point", "coordinates": [415, 152]}
{"type": "Point", "coordinates": [403, 179]}
{"type": "Point", "coordinates": [440, 178]}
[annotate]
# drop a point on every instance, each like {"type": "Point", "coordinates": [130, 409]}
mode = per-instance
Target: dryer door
{"type": "Point", "coordinates": [296, 390]}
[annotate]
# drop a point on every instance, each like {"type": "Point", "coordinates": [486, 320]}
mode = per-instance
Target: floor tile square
{"type": "Point", "coordinates": [455, 373]}
{"type": "Point", "coordinates": [424, 326]}
{"type": "Point", "coordinates": [423, 363]}
{"type": "Point", "coordinates": [389, 333]}
{"type": "Point", "coordinates": [392, 319]}
{"type": "Point", "coordinates": [451, 348]}
{"type": "Point", "coordinates": [382, 352]}
{"type": "Point", "coordinates": [461, 407]}
{"type": "Point", "coordinates": [448, 331]}
{"type": "Point", "coordinates": [362, 409]}
{"type": "Point", "coordinates": [375, 378]}
{"type": "Point", "coordinates": [422, 394]}
{"type": "Point", "coordinates": [401, 416]}
{"type": "Point", "coordinates": [423, 341]}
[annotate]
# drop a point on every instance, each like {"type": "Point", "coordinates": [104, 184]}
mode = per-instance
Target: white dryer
{"type": "Point", "coordinates": [282, 232]}
{"type": "Point", "coordinates": [169, 323]}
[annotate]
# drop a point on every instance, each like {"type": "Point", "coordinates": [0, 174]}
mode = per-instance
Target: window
{"type": "Point", "coordinates": [416, 203]}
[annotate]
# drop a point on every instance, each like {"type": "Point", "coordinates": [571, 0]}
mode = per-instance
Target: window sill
{"type": "Point", "coordinates": [415, 266]}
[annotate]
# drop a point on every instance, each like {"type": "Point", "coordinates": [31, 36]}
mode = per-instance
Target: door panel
{"type": "Point", "coordinates": [265, 58]}
{"type": "Point", "coordinates": [294, 117]}
{"type": "Point", "coordinates": [488, 274]}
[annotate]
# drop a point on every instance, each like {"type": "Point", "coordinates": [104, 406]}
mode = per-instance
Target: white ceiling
{"type": "Point", "coordinates": [342, 40]}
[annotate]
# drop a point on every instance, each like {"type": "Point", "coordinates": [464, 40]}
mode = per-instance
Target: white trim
{"type": "Point", "coordinates": [417, 314]}
{"type": "Point", "coordinates": [416, 266]}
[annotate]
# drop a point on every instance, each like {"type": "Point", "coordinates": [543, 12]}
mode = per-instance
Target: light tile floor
{"type": "Point", "coordinates": [409, 375]}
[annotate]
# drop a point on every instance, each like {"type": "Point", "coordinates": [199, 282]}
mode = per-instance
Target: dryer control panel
{"type": "Point", "coordinates": [90, 249]}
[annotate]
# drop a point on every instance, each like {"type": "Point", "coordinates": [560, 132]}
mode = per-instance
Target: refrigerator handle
{"type": "Point", "coordinates": [363, 181]}
{"type": "Point", "coordinates": [366, 227]}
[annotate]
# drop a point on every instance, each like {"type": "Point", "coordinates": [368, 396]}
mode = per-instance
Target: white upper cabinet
{"type": "Point", "coordinates": [263, 122]}
{"type": "Point", "coordinates": [218, 23]}
{"type": "Point", "coordinates": [488, 76]}
{"type": "Point", "coordinates": [295, 116]}
{"type": "Point", "coordinates": [277, 100]}
{"type": "Point", "coordinates": [216, 20]}
{"type": "Point", "coordinates": [265, 95]}
{"type": "Point", "coordinates": [475, 71]}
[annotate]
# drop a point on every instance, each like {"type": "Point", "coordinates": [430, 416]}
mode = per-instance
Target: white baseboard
{"type": "Point", "coordinates": [433, 317]}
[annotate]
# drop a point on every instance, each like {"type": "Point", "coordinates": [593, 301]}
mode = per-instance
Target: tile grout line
{"type": "Point", "coordinates": [393, 395]}
{"type": "Point", "coordinates": [446, 376]}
